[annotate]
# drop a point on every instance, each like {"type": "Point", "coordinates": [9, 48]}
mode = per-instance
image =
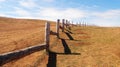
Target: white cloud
{"type": "Point", "coordinates": [21, 12]}
{"type": "Point", "coordinates": [69, 13]}
{"type": "Point", "coordinates": [51, 13]}
{"type": "Point", "coordinates": [106, 18]}
{"type": "Point", "coordinates": [1, 14]}
{"type": "Point", "coordinates": [83, 12]}
{"type": "Point", "coordinates": [27, 3]}
{"type": "Point", "coordinates": [2, 0]}
{"type": "Point", "coordinates": [103, 18]}
{"type": "Point", "coordinates": [48, 0]}
{"type": "Point", "coordinates": [108, 14]}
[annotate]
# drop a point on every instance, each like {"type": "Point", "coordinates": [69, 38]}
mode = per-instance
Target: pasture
{"type": "Point", "coordinates": [88, 46]}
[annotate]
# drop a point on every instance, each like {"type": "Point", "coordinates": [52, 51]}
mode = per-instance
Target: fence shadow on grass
{"type": "Point", "coordinates": [70, 37]}
{"type": "Point", "coordinates": [66, 47]}
{"type": "Point", "coordinates": [68, 31]}
{"type": "Point", "coordinates": [52, 60]}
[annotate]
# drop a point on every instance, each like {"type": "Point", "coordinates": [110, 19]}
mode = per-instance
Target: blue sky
{"type": "Point", "coordinates": [97, 12]}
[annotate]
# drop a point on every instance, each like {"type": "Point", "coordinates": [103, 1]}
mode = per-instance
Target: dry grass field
{"type": "Point", "coordinates": [79, 47]}
{"type": "Point", "coordinates": [88, 47]}
{"type": "Point", "coordinates": [16, 34]}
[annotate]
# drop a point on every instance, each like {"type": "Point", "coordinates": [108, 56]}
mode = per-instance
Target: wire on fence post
{"type": "Point", "coordinates": [47, 36]}
{"type": "Point", "coordinates": [57, 27]}
{"type": "Point", "coordinates": [63, 21]}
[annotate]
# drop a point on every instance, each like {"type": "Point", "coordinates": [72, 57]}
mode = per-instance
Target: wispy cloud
{"type": "Point", "coordinates": [69, 13]}
{"type": "Point", "coordinates": [21, 12]}
{"type": "Point", "coordinates": [73, 10]}
{"type": "Point", "coordinates": [27, 3]}
{"type": "Point", "coordinates": [2, 0]}
{"type": "Point", "coordinates": [108, 14]}
{"type": "Point", "coordinates": [51, 13]}
{"type": "Point", "coordinates": [103, 18]}
{"type": "Point", "coordinates": [106, 18]}
{"type": "Point", "coordinates": [3, 14]}
{"type": "Point", "coordinates": [48, 0]}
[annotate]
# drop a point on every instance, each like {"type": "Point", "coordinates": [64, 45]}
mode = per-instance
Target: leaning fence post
{"type": "Point", "coordinates": [57, 28]}
{"type": "Point", "coordinates": [63, 21]}
{"type": "Point", "coordinates": [47, 35]}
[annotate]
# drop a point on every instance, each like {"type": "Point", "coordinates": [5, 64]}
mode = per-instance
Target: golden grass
{"type": "Point", "coordinates": [16, 34]}
{"type": "Point", "coordinates": [98, 47]}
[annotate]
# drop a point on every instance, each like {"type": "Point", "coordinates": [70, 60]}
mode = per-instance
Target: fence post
{"type": "Point", "coordinates": [66, 23]}
{"type": "Point", "coordinates": [69, 25]}
{"type": "Point", "coordinates": [79, 24]}
{"type": "Point", "coordinates": [63, 21]}
{"type": "Point", "coordinates": [72, 23]}
{"type": "Point", "coordinates": [47, 36]}
{"type": "Point", "coordinates": [57, 27]}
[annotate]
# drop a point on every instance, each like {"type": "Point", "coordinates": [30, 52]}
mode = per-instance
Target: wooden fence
{"type": "Point", "coordinates": [7, 57]}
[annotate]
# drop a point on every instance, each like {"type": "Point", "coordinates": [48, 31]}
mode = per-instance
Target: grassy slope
{"type": "Point", "coordinates": [19, 33]}
{"type": "Point", "coordinates": [91, 47]}
{"type": "Point", "coordinates": [16, 34]}
{"type": "Point", "coordinates": [97, 46]}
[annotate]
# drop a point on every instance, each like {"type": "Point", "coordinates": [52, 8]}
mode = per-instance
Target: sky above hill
{"type": "Point", "coordinates": [97, 12]}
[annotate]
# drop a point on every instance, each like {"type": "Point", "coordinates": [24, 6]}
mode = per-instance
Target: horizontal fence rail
{"type": "Point", "coordinates": [6, 57]}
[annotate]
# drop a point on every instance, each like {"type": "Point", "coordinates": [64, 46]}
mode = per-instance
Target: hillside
{"type": "Point", "coordinates": [16, 34]}
{"type": "Point", "coordinates": [79, 47]}
{"type": "Point", "coordinates": [20, 33]}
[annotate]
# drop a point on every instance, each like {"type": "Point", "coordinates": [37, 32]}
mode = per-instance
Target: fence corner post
{"type": "Point", "coordinates": [47, 36]}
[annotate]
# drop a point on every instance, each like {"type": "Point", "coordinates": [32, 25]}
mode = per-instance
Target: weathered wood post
{"type": "Point", "coordinates": [79, 24]}
{"type": "Point", "coordinates": [57, 27]}
{"type": "Point", "coordinates": [47, 36]}
{"type": "Point", "coordinates": [85, 24]}
{"type": "Point", "coordinates": [72, 23]}
{"type": "Point", "coordinates": [66, 23]}
{"type": "Point", "coordinates": [63, 22]}
{"type": "Point", "coordinates": [69, 25]}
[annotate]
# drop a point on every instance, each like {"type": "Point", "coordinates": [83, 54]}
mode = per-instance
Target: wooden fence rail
{"type": "Point", "coordinates": [7, 57]}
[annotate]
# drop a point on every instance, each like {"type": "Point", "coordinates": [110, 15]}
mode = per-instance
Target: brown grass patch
{"type": "Point", "coordinates": [16, 34]}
